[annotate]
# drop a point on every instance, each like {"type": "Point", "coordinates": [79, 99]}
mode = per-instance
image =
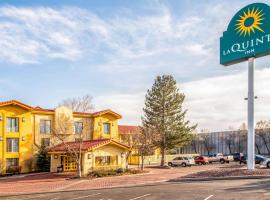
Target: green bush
{"type": "Point", "coordinates": [118, 172]}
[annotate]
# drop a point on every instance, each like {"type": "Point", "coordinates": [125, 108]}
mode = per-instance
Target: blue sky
{"type": "Point", "coordinates": [112, 50]}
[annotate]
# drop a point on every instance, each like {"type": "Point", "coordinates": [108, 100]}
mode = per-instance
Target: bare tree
{"type": "Point", "coordinates": [63, 132]}
{"type": "Point", "coordinates": [144, 141]}
{"type": "Point", "coordinates": [194, 142]}
{"type": "Point", "coordinates": [262, 130]}
{"type": "Point", "coordinates": [242, 137]}
{"type": "Point", "coordinates": [207, 142]}
{"type": "Point", "coordinates": [132, 140]}
{"type": "Point", "coordinates": [79, 104]}
{"type": "Point", "coordinates": [229, 140]}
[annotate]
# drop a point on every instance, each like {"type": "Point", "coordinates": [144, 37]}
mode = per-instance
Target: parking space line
{"type": "Point", "coordinates": [82, 197]}
{"type": "Point", "coordinates": [140, 196]}
{"type": "Point", "coordinates": [55, 198]}
{"type": "Point", "coordinates": [209, 197]}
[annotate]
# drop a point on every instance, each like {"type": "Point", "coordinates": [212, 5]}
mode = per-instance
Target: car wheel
{"type": "Point", "coordinates": [268, 165]}
{"type": "Point", "coordinates": [222, 161]}
{"type": "Point", "coordinates": [210, 162]}
{"type": "Point", "coordinates": [170, 164]}
{"type": "Point", "coordinates": [184, 164]}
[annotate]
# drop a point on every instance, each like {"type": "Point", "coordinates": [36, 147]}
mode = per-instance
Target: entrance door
{"type": "Point", "coordinates": [69, 164]}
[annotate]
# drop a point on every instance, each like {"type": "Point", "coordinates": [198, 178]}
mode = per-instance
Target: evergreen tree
{"type": "Point", "coordinates": [164, 114]}
{"type": "Point", "coordinates": [43, 159]}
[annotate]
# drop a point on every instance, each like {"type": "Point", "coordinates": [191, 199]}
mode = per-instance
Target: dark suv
{"type": "Point", "coordinates": [258, 159]}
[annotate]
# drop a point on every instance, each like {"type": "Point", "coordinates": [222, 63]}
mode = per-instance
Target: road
{"type": "Point", "coordinates": [208, 190]}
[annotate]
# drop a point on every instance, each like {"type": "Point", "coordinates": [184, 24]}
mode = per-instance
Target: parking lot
{"type": "Point", "coordinates": [213, 190]}
{"type": "Point", "coordinates": [48, 182]}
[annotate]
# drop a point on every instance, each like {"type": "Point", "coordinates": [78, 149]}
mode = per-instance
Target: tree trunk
{"type": "Point", "coordinates": [162, 163]}
{"type": "Point", "coordinates": [79, 170]}
{"type": "Point", "coordinates": [258, 149]}
{"type": "Point", "coordinates": [127, 156]}
{"type": "Point", "coordinates": [142, 162]}
{"type": "Point", "coordinates": [230, 148]}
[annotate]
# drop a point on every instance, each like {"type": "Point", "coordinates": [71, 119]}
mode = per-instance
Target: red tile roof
{"type": "Point", "coordinates": [86, 145]}
{"type": "Point", "coordinates": [126, 129]}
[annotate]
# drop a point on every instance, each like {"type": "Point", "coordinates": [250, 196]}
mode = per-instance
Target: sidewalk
{"type": "Point", "coordinates": [50, 182]}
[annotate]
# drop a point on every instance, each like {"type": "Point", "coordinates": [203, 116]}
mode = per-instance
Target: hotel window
{"type": "Point", "coordinates": [106, 160]}
{"type": "Point", "coordinates": [12, 164]}
{"type": "Point", "coordinates": [12, 124]}
{"type": "Point", "coordinates": [106, 128]}
{"type": "Point", "coordinates": [12, 144]}
{"type": "Point", "coordinates": [45, 142]}
{"type": "Point", "coordinates": [78, 127]}
{"type": "Point", "coordinates": [45, 126]}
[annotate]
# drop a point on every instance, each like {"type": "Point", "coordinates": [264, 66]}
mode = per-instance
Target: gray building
{"type": "Point", "coordinates": [227, 142]}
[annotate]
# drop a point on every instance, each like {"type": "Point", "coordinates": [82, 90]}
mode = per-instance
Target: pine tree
{"type": "Point", "coordinates": [43, 159]}
{"type": "Point", "coordinates": [164, 114]}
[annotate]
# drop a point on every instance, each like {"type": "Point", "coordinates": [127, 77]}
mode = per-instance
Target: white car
{"type": "Point", "coordinates": [182, 161]}
{"type": "Point", "coordinates": [266, 162]}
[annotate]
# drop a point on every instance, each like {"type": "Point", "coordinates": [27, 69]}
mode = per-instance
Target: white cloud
{"type": "Point", "coordinates": [214, 103]}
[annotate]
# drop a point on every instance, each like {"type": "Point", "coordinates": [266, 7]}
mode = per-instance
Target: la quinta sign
{"type": "Point", "coordinates": [248, 35]}
{"type": "Point", "coordinates": [246, 38]}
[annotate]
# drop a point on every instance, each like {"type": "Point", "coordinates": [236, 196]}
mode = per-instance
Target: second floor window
{"type": "Point", "coordinates": [78, 127]}
{"type": "Point", "coordinates": [45, 126]}
{"type": "Point", "coordinates": [12, 145]}
{"type": "Point", "coordinates": [106, 128]}
{"type": "Point", "coordinates": [12, 124]}
{"type": "Point", "coordinates": [45, 142]}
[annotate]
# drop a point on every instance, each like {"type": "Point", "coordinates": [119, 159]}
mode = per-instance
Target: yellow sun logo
{"type": "Point", "coordinates": [249, 22]}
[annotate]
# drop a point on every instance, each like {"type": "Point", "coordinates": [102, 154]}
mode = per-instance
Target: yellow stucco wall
{"type": "Point", "coordinates": [25, 136]}
{"type": "Point", "coordinates": [98, 127]}
{"type": "Point", "coordinates": [30, 137]}
{"type": "Point", "coordinates": [88, 159]}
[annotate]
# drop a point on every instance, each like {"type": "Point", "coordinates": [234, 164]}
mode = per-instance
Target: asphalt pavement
{"type": "Point", "coordinates": [203, 190]}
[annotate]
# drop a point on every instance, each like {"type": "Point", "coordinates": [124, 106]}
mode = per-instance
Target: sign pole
{"type": "Point", "coordinates": [251, 132]}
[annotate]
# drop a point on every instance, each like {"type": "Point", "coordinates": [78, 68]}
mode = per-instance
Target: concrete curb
{"type": "Point", "coordinates": [217, 178]}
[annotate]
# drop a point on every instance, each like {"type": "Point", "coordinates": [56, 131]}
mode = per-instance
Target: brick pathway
{"type": "Point", "coordinates": [48, 182]}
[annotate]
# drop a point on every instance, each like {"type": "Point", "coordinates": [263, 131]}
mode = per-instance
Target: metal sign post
{"type": "Point", "coordinates": [251, 132]}
{"type": "Point", "coordinates": [247, 37]}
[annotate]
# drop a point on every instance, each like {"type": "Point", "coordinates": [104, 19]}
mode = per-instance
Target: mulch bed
{"type": "Point", "coordinates": [225, 172]}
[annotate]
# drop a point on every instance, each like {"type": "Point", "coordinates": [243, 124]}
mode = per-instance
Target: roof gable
{"type": "Point", "coordinates": [107, 111]}
{"type": "Point", "coordinates": [17, 103]}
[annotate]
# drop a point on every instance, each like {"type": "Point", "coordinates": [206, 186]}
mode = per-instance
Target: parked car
{"type": "Point", "coordinates": [266, 162]}
{"type": "Point", "coordinates": [201, 160]}
{"type": "Point", "coordinates": [258, 159]}
{"type": "Point", "coordinates": [219, 157]}
{"type": "Point", "coordinates": [237, 156]}
{"type": "Point", "coordinates": [182, 161]}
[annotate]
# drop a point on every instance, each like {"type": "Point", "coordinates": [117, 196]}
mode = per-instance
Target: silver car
{"type": "Point", "coordinates": [182, 161]}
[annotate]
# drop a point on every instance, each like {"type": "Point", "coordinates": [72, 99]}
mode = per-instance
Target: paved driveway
{"type": "Point", "coordinates": [48, 182]}
{"type": "Point", "coordinates": [211, 190]}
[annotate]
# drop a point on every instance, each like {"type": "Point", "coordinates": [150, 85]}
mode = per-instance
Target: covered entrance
{"type": "Point", "coordinates": [103, 154]}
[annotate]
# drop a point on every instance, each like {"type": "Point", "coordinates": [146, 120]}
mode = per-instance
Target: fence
{"type": "Point", "coordinates": [227, 142]}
